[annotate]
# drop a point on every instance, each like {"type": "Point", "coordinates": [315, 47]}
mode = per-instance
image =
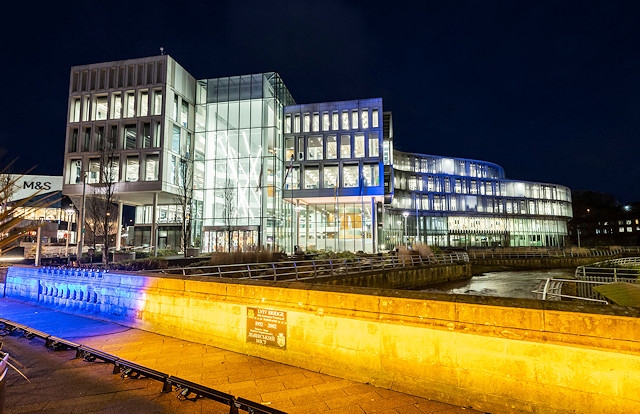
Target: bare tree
{"type": "Point", "coordinates": [229, 210]}
{"type": "Point", "coordinates": [184, 199]}
{"type": "Point", "coordinates": [103, 210]}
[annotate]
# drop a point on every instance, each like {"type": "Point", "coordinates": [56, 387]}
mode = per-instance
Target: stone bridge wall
{"type": "Point", "coordinates": [492, 354]}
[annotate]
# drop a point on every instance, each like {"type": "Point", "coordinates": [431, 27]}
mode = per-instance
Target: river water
{"type": "Point", "coordinates": [512, 284]}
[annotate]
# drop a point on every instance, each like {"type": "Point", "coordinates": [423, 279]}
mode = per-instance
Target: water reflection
{"type": "Point", "coordinates": [512, 284]}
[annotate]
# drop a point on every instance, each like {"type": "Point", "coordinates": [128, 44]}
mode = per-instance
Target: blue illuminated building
{"type": "Point", "coordinates": [269, 173]}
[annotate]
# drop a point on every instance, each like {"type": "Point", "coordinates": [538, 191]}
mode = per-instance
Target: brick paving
{"type": "Point", "coordinates": [62, 383]}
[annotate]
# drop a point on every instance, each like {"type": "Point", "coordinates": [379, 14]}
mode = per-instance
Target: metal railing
{"type": "Point", "coordinates": [530, 254]}
{"type": "Point", "coordinates": [315, 268]}
{"type": "Point", "coordinates": [551, 289]}
{"type": "Point", "coordinates": [626, 269]}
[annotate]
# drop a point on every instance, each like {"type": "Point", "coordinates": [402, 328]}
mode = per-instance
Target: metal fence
{"type": "Point", "coordinates": [625, 270]}
{"type": "Point", "coordinates": [315, 268]}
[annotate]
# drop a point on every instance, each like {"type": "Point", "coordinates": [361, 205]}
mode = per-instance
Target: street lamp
{"type": "Point", "coordinates": [406, 214]}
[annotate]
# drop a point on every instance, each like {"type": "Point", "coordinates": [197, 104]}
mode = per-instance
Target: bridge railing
{"type": "Point", "coordinates": [551, 289]}
{"type": "Point", "coordinates": [530, 254]}
{"type": "Point", "coordinates": [315, 268]}
{"type": "Point", "coordinates": [626, 269]}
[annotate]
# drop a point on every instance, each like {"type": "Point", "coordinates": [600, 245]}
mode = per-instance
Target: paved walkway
{"type": "Point", "coordinates": [284, 387]}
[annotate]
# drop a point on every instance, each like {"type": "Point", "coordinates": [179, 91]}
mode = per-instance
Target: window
{"type": "Point", "coordinates": [130, 137]}
{"type": "Point", "coordinates": [146, 135]}
{"type": "Point", "coordinates": [151, 167]}
{"type": "Point", "coordinates": [345, 120]}
{"type": "Point", "coordinates": [157, 133]}
{"type": "Point", "coordinates": [350, 176]}
{"type": "Point", "coordinates": [130, 105]}
{"type": "Point", "coordinates": [86, 142]}
{"type": "Point", "coordinates": [157, 102]}
{"type": "Point", "coordinates": [314, 148]}
{"type": "Point", "coordinates": [287, 124]}
{"type": "Point", "coordinates": [144, 103]}
{"type": "Point", "coordinates": [358, 146]}
{"type": "Point", "coordinates": [116, 105]}
{"type": "Point", "coordinates": [93, 176]}
{"type": "Point", "coordinates": [99, 138]}
{"type": "Point", "coordinates": [75, 175]}
{"type": "Point", "coordinates": [101, 108]}
{"type": "Point", "coordinates": [334, 121]}
{"type": "Point", "coordinates": [330, 175]}
{"type": "Point", "coordinates": [374, 118]}
{"type": "Point", "coordinates": [326, 123]}
{"type": "Point", "coordinates": [73, 140]}
{"type": "Point", "coordinates": [184, 114]}
{"type": "Point", "coordinates": [371, 174]}
{"type": "Point", "coordinates": [345, 146]}
{"type": "Point", "coordinates": [364, 119]}
{"type": "Point", "coordinates": [307, 123]}
{"type": "Point", "coordinates": [300, 148]}
{"type": "Point", "coordinates": [311, 177]}
{"type": "Point", "coordinates": [354, 119]}
{"type": "Point", "coordinates": [74, 111]}
{"type": "Point", "coordinates": [133, 166]}
{"type": "Point", "coordinates": [332, 147]}
{"type": "Point", "coordinates": [175, 139]}
{"type": "Point", "coordinates": [315, 126]}
{"type": "Point", "coordinates": [374, 145]}
{"type": "Point", "coordinates": [296, 123]}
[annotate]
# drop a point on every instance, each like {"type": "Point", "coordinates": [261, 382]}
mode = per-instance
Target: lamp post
{"type": "Point", "coordinates": [406, 236]}
{"type": "Point", "coordinates": [70, 213]}
{"type": "Point", "coordinates": [82, 217]}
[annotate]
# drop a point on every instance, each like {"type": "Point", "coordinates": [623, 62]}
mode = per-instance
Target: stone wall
{"type": "Point", "coordinates": [412, 277]}
{"type": "Point", "coordinates": [492, 354]}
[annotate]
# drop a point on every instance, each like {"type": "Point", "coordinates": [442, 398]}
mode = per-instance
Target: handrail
{"type": "Point", "coordinates": [551, 289]}
{"type": "Point", "coordinates": [314, 268]}
{"type": "Point", "coordinates": [498, 254]}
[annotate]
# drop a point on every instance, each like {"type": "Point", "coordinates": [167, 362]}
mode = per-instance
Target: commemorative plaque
{"type": "Point", "coordinates": [267, 327]}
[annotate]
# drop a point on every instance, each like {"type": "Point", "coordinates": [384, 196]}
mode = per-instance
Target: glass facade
{"type": "Point", "coordinates": [242, 161]}
{"type": "Point", "coordinates": [269, 173]}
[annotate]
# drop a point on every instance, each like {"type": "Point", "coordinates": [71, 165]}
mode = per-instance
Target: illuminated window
{"type": "Point", "coordinates": [311, 177]}
{"type": "Point", "coordinates": [296, 123]}
{"type": "Point", "coordinates": [345, 146]}
{"type": "Point", "coordinates": [326, 123]}
{"type": "Point", "coordinates": [315, 127]}
{"type": "Point", "coordinates": [358, 146]}
{"type": "Point", "coordinates": [143, 99]}
{"type": "Point", "coordinates": [314, 148]}
{"type": "Point", "coordinates": [116, 105]}
{"type": "Point", "coordinates": [354, 119]}
{"type": "Point", "coordinates": [287, 124]}
{"type": "Point", "coordinates": [133, 166]}
{"type": "Point", "coordinates": [371, 175]}
{"type": "Point", "coordinates": [74, 112]}
{"type": "Point", "coordinates": [350, 176]}
{"type": "Point", "coordinates": [151, 167]}
{"type": "Point", "coordinates": [130, 104]}
{"type": "Point", "coordinates": [374, 145]}
{"type": "Point", "coordinates": [334, 121]}
{"type": "Point", "coordinates": [374, 118]}
{"type": "Point", "coordinates": [332, 147]}
{"type": "Point", "coordinates": [364, 119]}
{"type": "Point", "coordinates": [345, 120]}
{"type": "Point", "coordinates": [157, 102]}
{"type": "Point", "coordinates": [307, 123]}
{"type": "Point", "coordinates": [330, 175]}
{"type": "Point", "coordinates": [101, 108]}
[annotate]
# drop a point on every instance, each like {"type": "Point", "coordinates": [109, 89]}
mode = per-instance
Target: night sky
{"type": "Point", "coordinates": [550, 90]}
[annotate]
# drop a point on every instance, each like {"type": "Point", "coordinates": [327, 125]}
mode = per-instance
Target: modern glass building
{"type": "Point", "coordinates": [264, 172]}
